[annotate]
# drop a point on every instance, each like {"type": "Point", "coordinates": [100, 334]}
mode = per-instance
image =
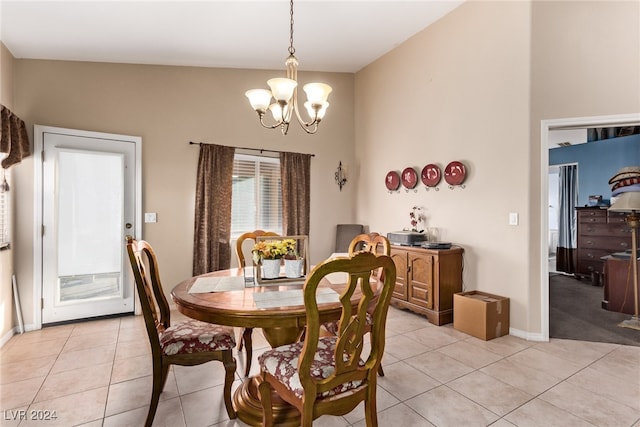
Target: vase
{"type": "Point", "coordinates": [270, 268]}
{"type": "Point", "coordinates": [293, 268]}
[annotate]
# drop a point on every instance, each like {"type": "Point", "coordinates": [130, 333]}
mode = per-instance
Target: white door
{"type": "Point", "coordinates": [88, 206]}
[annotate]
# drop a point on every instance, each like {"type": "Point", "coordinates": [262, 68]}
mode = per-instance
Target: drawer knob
{"type": "Point", "coordinates": [624, 244]}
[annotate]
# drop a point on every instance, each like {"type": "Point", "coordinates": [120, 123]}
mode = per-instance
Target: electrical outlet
{"type": "Point", "coordinates": [150, 217]}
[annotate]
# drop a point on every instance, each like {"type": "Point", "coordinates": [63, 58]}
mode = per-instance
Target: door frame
{"type": "Point", "coordinates": [38, 148]}
{"type": "Point", "coordinates": [547, 126]}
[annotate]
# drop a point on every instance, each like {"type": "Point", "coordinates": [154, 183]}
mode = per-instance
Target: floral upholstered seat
{"type": "Point", "coordinates": [193, 336]}
{"type": "Point", "coordinates": [282, 363]}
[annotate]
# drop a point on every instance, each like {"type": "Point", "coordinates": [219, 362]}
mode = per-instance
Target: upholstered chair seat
{"type": "Point", "coordinates": [193, 336]}
{"type": "Point", "coordinates": [283, 364]}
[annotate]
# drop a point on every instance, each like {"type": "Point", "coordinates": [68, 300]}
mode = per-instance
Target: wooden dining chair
{"type": "Point", "coordinates": [327, 374]}
{"type": "Point", "coordinates": [369, 242]}
{"type": "Point", "coordinates": [246, 340]}
{"type": "Point", "coordinates": [186, 343]}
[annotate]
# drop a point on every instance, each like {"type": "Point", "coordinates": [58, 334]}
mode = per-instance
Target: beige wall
{"type": "Point", "coordinates": [6, 256]}
{"type": "Point", "coordinates": [474, 87]}
{"type": "Point", "coordinates": [168, 107]}
{"type": "Point", "coordinates": [457, 91]}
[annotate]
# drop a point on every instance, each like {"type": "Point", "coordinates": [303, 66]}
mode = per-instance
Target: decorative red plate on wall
{"type": "Point", "coordinates": [392, 181]}
{"type": "Point", "coordinates": [455, 173]}
{"type": "Point", "coordinates": [431, 175]}
{"type": "Point", "coordinates": [409, 178]}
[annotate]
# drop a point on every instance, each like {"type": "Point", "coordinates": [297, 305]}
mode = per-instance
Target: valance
{"type": "Point", "coordinates": [15, 140]}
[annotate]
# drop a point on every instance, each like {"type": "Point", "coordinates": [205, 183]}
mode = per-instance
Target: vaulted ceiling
{"type": "Point", "coordinates": [338, 36]}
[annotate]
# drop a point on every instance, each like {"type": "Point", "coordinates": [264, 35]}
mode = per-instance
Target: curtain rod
{"type": "Point", "coordinates": [261, 150]}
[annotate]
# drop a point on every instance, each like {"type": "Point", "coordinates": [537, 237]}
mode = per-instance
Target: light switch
{"type": "Point", "coordinates": [150, 217]}
{"type": "Point", "coordinates": [513, 218]}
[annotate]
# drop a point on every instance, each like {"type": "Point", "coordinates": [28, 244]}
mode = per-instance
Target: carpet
{"type": "Point", "coordinates": [576, 313]}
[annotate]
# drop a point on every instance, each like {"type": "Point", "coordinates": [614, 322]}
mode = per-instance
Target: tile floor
{"type": "Point", "coordinates": [99, 374]}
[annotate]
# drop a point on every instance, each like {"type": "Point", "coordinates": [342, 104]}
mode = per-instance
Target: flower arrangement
{"type": "Point", "coordinates": [273, 249]}
{"type": "Point", "coordinates": [417, 218]}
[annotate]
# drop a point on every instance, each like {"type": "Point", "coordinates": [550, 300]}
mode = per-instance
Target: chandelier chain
{"type": "Point", "coordinates": [292, 49]}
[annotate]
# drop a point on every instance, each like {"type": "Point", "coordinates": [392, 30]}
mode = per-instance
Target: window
{"type": "Point", "coordinates": [257, 195]}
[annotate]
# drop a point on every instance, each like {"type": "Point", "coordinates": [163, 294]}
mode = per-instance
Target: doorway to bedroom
{"type": "Point", "coordinates": [551, 234]}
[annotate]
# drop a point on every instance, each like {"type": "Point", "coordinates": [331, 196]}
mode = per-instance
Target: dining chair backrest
{"type": "Point", "coordinates": [333, 374]}
{"type": "Point", "coordinates": [370, 242]}
{"type": "Point", "coordinates": [155, 308]}
{"type": "Point", "coordinates": [357, 270]}
{"type": "Point", "coordinates": [251, 235]}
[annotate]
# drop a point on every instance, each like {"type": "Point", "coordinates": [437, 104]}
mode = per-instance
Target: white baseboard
{"type": "Point", "coordinates": [527, 335]}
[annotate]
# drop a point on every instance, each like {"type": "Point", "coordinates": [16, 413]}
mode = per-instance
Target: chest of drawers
{"type": "Point", "coordinates": [600, 233]}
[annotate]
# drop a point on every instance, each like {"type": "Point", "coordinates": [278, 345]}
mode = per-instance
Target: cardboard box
{"type": "Point", "coordinates": [480, 314]}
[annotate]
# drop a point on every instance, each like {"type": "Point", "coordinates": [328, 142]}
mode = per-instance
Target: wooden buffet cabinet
{"type": "Point", "coordinates": [426, 280]}
{"type": "Point", "coordinates": [600, 233]}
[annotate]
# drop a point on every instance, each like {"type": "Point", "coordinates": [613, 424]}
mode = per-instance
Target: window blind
{"type": "Point", "coordinates": [256, 194]}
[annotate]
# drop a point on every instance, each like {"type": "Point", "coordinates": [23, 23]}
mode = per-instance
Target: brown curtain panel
{"type": "Point", "coordinates": [295, 170]}
{"type": "Point", "coordinates": [212, 229]}
{"type": "Point", "coordinates": [14, 140]}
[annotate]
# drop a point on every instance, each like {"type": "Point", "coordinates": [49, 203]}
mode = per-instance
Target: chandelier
{"type": "Point", "coordinates": [285, 93]}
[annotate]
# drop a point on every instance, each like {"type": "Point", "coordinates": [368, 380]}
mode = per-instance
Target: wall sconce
{"type": "Point", "coordinates": [341, 179]}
